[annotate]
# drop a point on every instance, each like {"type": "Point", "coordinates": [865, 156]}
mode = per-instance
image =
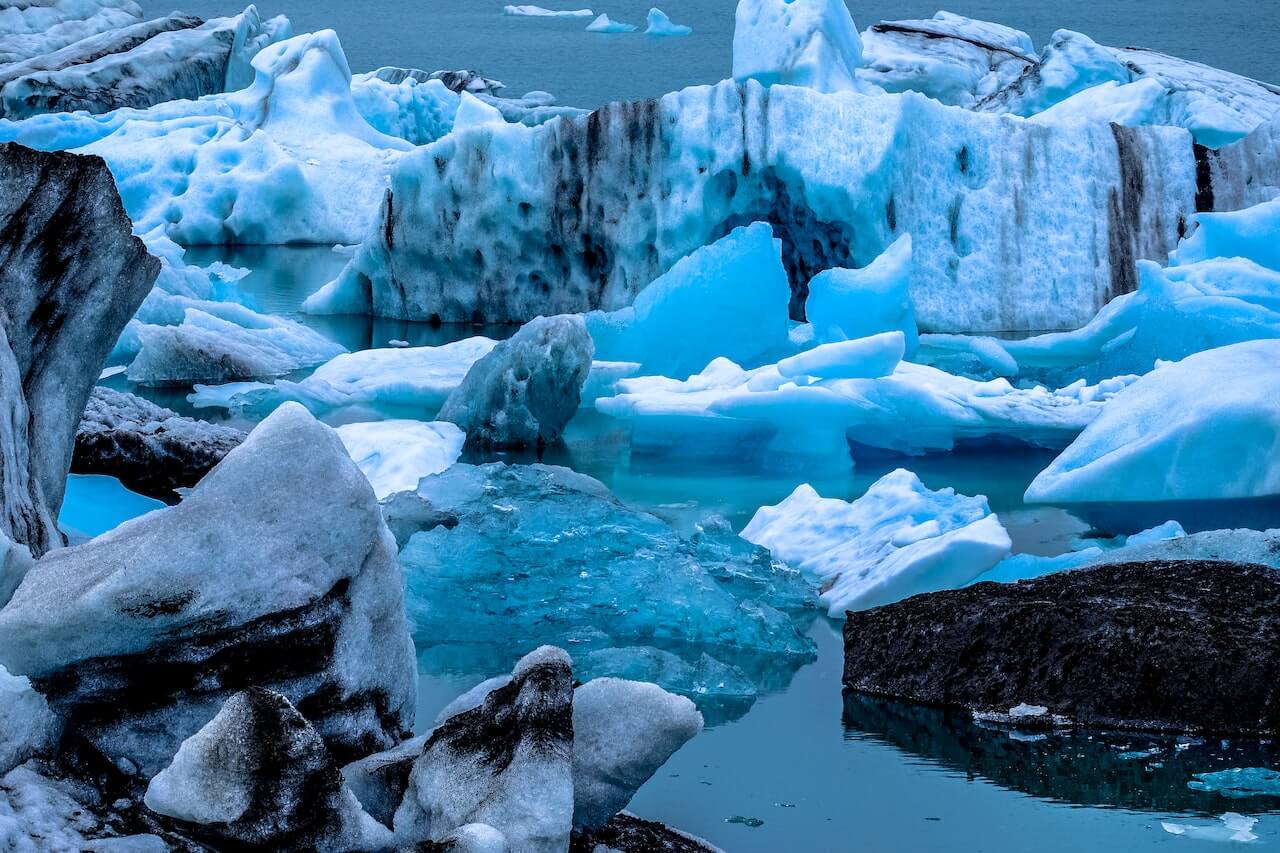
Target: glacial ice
{"type": "Point", "coordinates": [1239, 783]}
{"type": "Point", "coordinates": [866, 358]}
{"type": "Point", "coordinates": [396, 454]}
{"type": "Point", "coordinates": [1146, 545]}
{"type": "Point", "coordinates": [394, 382]}
{"type": "Point", "coordinates": [1235, 827]}
{"type": "Point", "coordinates": [541, 554]}
{"type": "Point", "coordinates": [604, 24]}
{"type": "Point", "coordinates": [525, 390]}
{"type": "Point", "coordinates": [27, 726]}
{"type": "Point", "coordinates": [1207, 427]}
{"type": "Point", "coordinates": [417, 111]}
{"type": "Point", "coordinates": [1070, 63]}
{"type": "Point", "coordinates": [845, 304]}
{"type": "Point", "coordinates": [659, 24]}
{"type": "Point", "coordinates": [1252, 233]}
{"type": "Point", "coordinates": [31, 29]}
{"type": "Point", "coordinates": [271, 572]}
{"type": "Point", "coordinates": [726, 299]}
{"type": "Point", "coordinates": [898, 540]}
{"type": "Point", "coordinates": [811, 43]}
{"type": "Point", "coordinates": [540, 12]}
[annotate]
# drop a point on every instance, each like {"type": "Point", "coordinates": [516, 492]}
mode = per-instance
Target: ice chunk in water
{"type": "Point", "coordinates": [1235, 827]}
{"type": "Point", "coordinates": [846, 304]}
{"type": "Point", "coordinates": [1239, 783]}
{"type": "Point", "coordinates": [659, 24]}
{"type": "Point", "coordinates": [396, 454]}
{"type": "Point", "coordinates": [604, 24]}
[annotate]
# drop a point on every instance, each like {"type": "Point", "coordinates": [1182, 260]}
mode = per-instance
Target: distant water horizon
{"type": "Point", "coordinates": [589, 69]}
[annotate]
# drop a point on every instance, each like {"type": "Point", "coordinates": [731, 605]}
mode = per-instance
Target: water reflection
{"type": "Point", "coordinates": [1120, 770]}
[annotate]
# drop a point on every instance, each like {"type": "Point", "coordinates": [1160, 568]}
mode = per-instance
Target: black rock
{"type": "Point", "coordinates": [1159, 646]}
{"type": "Point", "coordinates": [627, 833]}
{"type": "Point", "coordinates": [150, 449]}
{"type": "Point", "coordinates": [71, 276]}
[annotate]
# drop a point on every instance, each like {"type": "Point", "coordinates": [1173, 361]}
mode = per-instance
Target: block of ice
{"type": "Point", "coordinates": [865, 358]}
{"type": "Point", "coordinates": [515, 555]}
{"type": "Point", "coordinates": [845, 304]}
{"type": "Point", "coordinates": [258, 774]}
{"type": "Point", "coordinates": [27, 726]}
{"type": "Point", "coordinates": [417, 111]}
{"type": "Point", "coordinates": [31, 29]}
{"type": "Point", "coordinates": [727, 299]}
{"type": "Point", "coordinates": [1235, 827]}
{"type": "Point", "coordinates": [1070, 63]}
{"type": "Point", "coordinates": [604, 24]}
{"type": "Point", "coordinates": [1207, 427]}
{"type": "Point", "coordinates": [539, 12]}
{"type": "Point", "coordinates": [507, 763]}
{"type": "Point", "coordinates": [1252, 233]}
{"type": "Point", "coordinates": [898, 540]}
{"type": "Point", "coordinates": [1148, 544]}
{"type": "Point", "coordinates": [1239, 783]}
{"type": "Point", "coordinates": [623, 731]}
{"type": "Point", "coordinates": [271, 573]}
{"type": "Point", "coordinates": [527, 388]}
{"type": "Point", "coordinates": [951, 58]}
{"type": "Point", "coordinates": [396, 454]}
{"type": "Point", "coordinates": [811, 43]}
{"type": "Point", "coordinates": [659, 24]}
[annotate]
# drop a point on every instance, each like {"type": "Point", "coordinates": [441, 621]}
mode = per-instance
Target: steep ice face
{"type": "Point", "coordinates": [592, 209]}
{"type": "Point", "coordinates": [527, 388]}
{"type": "Point", "coordinates": [318, 577]}
{"type": "Point", "coordinates": [259, 774]}
{"type": "Point", "coordinates": [508, 556]}
{"type": "Point", "coordinates": [31, 29]}
{"type": "Point", "coordinates": [186, 59]}
{"type": "Point", "coordinates": [811, 43]}
{"type": "Point", "coordinates": [727, 299]}
{"type": "Point", "coordinates": [72, 275]}
{"type": "Point", "coordinates": [507, 763]}
{"type": "Point", "coordinates": [898, 540]}
{"type": "Point", "coordinates": [27, 726]}
{"type": "Point", "coordinates": [950, 58]}
{"type": "Point", "coordinates": [846, 304]}
{"type": "Point", "coordinates": [1207, 427]}
{"type": "Point", "coordinates": [396, 454]}
{"type": "Point", "coordinates": [659, 24]}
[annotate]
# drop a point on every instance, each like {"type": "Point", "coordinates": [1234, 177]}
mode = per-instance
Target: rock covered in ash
{"type": "Point", "coordinates": [138, 637]}
{"type": "Point", "coordinates": [150, 449]}
{"type": "Point", "coordinates": [71, 276]}
{"type": "Point", "coordinates": [526, 390]}
{"type": "Point", "coordinates": [507, 763]}
{"type": "Point", "coordinates": [258, 774]}
{"type": "Point", "coordinates": [1128, 645]}
{"type": "Point", "coordinates": [627, 833]}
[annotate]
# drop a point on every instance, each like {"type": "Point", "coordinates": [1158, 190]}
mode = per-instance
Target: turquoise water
{"type": "Point", "coordinates": [806, 769]}
{"type": "Point", "coordinates": [588, 69]}
{"type": "Point", "coordinates": [94, 504]}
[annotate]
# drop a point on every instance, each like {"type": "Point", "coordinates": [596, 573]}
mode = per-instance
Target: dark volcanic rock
{"type": "Point", "coordinates": [148, 448]}
{"type": "Point", "coordinates": [1162, 646]}
{"type": "Point", "coordinates": [627, 833]}
{"type": "Point", "coordinates": [71, 276]}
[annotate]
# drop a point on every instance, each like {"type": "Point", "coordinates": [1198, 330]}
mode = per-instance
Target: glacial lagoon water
{"type": "Point", "coordinates": [588, 69]}
{"type": "Point", "coordinates": [807, 769]}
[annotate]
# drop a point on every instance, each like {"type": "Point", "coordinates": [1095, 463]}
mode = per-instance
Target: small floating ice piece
{"type": "Point", "coordinates": [396, 454]}
{"type": "Point", "coordinates": [661, 25]}
{"type": "Point", "coordinates": [602, 24]}
{"type": "Point", "coordinates": [539, 12]}
{"type": "Point", "coordinates": [1235, 827]}
{"type": "Point", "coordinates": [1239, 782]}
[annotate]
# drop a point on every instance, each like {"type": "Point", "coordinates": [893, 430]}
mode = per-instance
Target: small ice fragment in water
{"type": "Point", "coordinates": [1025, 710]}
{"type": "Point", "coordinates": [1239, 782]}
{"type": "Point", "coordinates": [397, 343]}
{"type": "Point", "coordinates": [752, 822]}
{"type": "Point", "coordinates": [1235, 827]}
{"type": "Point", "coordinates": [603, 24]}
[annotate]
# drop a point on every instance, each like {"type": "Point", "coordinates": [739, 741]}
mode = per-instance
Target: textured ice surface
{"type": "Point", "coordinates": [396, 454]}
{"type": "Point", "coordinates": [1252, 233]}
{"type": "Point", "coordinates": [541, 554]}
{"type": "Point", "coordinates": [404, 381]}
{"type": "Point", "coordinates": [30, 29]}
{"type": "Point", "coordinates": [659, 24]}
{"type": "Point", "coordinates": [726, 299]}
{"type": "Point", "coordinates": [540, 12]}
{"type": "Point", "coordinates": [865, 358]}
{"type": "Point", "coordinates": [27, 725]}
{"type": "Point", "coordinates": [898, 540]}
{"type": "Point", "coordinates": [761, 414]}
{"type": "Point", "coordinates": [271, 572]}
{"type": "Point", "coordinates": [605, 24]}
{"type": "Point", "coordinates": [1070, 63]}
{"type": "Point", "coordinates": [1239, 783]}
{"type": "Point", "coordinates": [42, 814]}
{"type": "Point", "coordinates": [525, 390]}
{"type": "Point", "coordinates": [811, 43]}
{"type": "Point", "coordinates": [623, 731]}
{"type": "Point", "coordinates": [845, 304]}
{"type": "Point", "coordinates": [507, 763]}
{"type": "Point", "coordinates": [1207, 427]}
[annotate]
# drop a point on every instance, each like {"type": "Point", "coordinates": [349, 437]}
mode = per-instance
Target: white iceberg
{"type": "Point", "coordinates": [604, 24]}
{"type": "Point", "coordinates": [396, 454]}
{"type": "Point", "coordinates": [540, 12]}
{"type": "Point", "coordinates": [811, 43]}
{"type": "Point", "coordinates": [898, 540]}
{"type": "Point", "coordinates": [1234, 828]}
{"type": "Point", "coordinates": [659, 24]}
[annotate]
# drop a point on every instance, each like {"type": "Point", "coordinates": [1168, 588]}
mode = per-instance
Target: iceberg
{"type": "Point", "coordinates": [727, 299]}
{"type": "Point", "coordinates": [1252, 234]}
{"type": "Point", "coordinates": [32, 29]}
{"type": "Point", "coordinates": [866, 358]}
{"type": "Point", "coordinates": [1239, 783]}
{"type": "Point", "coordinates": [1234, 828]}
{"type": "Point", "coordinates": [499, 557]}
{"type": "Point", "coordinates": [1204, 428]}
{"type": "Point", "coordinates": [898, 540]}
{"type": "Point", "coordinates": [604, 24]}
{"type": "Point", "coordinates": [396, 454]}
{"type": "Point", "coordinates": [845, 304]}
{"type": "Point", "coordinates": [593, 208]}
{"type": "Point", "coordinates": [1069, 64]}
{"type": "Point", "coordinates": [659, 24]}
{"type": "Point", "coordinates": [539, 12]}
{"type": "Point", "coordinates": [811, 43]}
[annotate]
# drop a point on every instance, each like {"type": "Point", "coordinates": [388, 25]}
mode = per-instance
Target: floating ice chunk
{"type": "Point", "coordinates": [1235, 827]}
{"type": "Point", "coordinates": [811, 43]}
{"type": "Point", "coordinates": [898, 540]}
{"type": "Point", "coordinates": [1252, 233]}
{"type": "Point", "coordinates": [27, 726]}
{"type": "Point", "coordinates": [660, 25]}
{"type": "Point", "coordinates": [1239, 783]}
{"type": "Point", "coordinates": [539, 12]}
{"type": "Point", "coordinates": [527, 388]}
{"type": "Point", "coordinates": [623, 731]}
{"type": "Point", "coordinates": [727, 299]}
{"type": "Point", "coordinates": [396, 454]}
{"type": "Point", "coordinates": [866, 358]}
{"type": "Point", "coordinates": [1207, 427]}
{"type": "Point", "coordinates": [847, 304]}
{"type": "Point", "coordinates": [1025, 710]}
{"type": "Point", "coordinates": [603, 24]}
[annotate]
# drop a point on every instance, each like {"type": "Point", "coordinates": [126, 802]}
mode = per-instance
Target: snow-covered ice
{"type": "Point", "coordinates": [396, 454]}
{"type": "Point", "coordinates": [898, 540]}
{"type": "Point", "coordinates": [811, 43]}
